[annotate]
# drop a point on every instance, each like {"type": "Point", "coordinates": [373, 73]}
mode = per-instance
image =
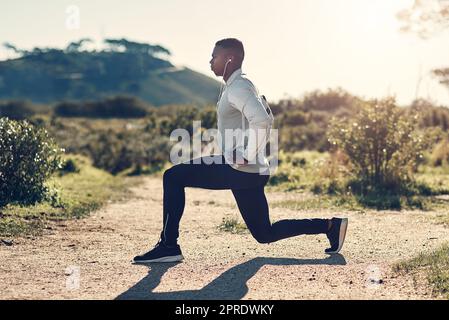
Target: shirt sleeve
{"type": "Point", "coordinates": [245, 99]}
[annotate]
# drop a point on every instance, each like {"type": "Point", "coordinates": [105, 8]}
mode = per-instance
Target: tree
{"type": "Point", "coordinates": [75, 46]}
{"type": "Point", "coordinates": [443, 75]}
{"type": "Point", "coordinates": [427, 18]}
{"type": "Point", "coordinates": [10, 46]}
{"type": "Point", "coordinates": [135, 47]}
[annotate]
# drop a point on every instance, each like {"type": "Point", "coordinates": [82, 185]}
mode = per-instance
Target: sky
{"type": "Point", "coordinates": [292, 46]}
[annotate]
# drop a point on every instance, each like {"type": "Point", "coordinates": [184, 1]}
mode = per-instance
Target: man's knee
{"type": "Point", "coordinates": [177, 174]}
{"type": "Point", "coordinates": [262, 237]}
{"type": "Point", "coordinates": [169, 175]}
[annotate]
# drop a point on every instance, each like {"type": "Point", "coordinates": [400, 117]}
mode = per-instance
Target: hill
{"type": "Point", "coordinates": [47, 75]}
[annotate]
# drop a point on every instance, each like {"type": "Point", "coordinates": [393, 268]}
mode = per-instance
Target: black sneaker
{"type": "Point", "coordinates": [336, 234]}
{"type": "Point", "coordinates": [160, 253]}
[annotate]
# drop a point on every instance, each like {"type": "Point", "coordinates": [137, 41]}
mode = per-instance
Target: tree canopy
{"type": "Point", "coordinates": [426, 18]}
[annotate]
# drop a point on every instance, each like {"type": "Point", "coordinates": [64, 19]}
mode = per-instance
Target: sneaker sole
{"type": "Point", "coordinates": [163, 259]}
{"type": "Point", "coordinates": [342, 236]}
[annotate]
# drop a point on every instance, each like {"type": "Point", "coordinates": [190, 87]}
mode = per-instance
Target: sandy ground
{"type": "Point", "coordinates": [90, 258]}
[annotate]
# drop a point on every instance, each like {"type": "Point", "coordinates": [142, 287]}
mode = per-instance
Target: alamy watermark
{"type": "Point", "coordinates": [73, 17]}
{"type": "Point", "coordinates": [373, 277]}
{"type": "Point", "coordinates": [73, 274]}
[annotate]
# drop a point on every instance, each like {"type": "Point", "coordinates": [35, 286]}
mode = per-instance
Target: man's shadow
{"type": "Point", "coordinates": [230, 285]}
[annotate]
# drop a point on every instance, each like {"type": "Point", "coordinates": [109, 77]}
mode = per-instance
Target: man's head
{"type": "Point", "coordinates": [229, 51]}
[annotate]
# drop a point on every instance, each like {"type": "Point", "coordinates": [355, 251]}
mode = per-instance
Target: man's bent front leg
{"type": "Point", "coordinates": [206, 174]}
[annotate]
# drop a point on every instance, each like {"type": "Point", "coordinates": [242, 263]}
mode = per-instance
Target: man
{"type": "Point", "coordinates": [245, 171]}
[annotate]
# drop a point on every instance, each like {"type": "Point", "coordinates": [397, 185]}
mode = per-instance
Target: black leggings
{"type": "Point", "coordinates": [248, 190]}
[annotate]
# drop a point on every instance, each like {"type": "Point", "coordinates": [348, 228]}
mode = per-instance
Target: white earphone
{"type": "Point", "coordinates": [224, 83]}
{"type": "Point", "coordinates": [226, 65]}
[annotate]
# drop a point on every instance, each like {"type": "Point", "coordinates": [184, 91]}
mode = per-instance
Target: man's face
{"type": "Point", "coordinates": [218, 61]}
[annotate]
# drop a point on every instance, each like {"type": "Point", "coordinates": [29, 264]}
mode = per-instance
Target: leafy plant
{"type": "Point", "coordinates": [28, 157]}
{"type": "Point", "coordinates": [384, 146]}
{"type": "Point", "coordinates": [232, 225]}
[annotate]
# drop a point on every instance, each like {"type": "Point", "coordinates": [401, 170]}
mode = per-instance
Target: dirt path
{"type": "Point", "coordinates": [90, 258]}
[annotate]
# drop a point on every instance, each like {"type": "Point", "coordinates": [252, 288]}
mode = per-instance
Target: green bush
{"type": "Point", "coordinates": [208, 117]}
{"type": "Point", "coordinates": [180, 117]}
{"type": "Point", "coordinates": [298, 171]}
{"type": "Point", "coordinates": [332, 174]}
{"type": "Point", "coordinates": [28, 157]}
{"type": "Point", "coordinates": [305, 137]}
{"type": "Point", "coordinates": [232, 225]}
{"type": "Point", "coordinates": [278, 178]}
{"type": "Point", "coordinates": [69, 166]}
{"type": "Point", "coordinates": [384, 146]}
{"type": "Point", "coordinates": [17, 110]}
{"type": "Point", "coordinates": [117, 107]}
{"type": "Point", "coordinates": [117, 152]}
{"type": "Point", "coordinates": [440, 153]}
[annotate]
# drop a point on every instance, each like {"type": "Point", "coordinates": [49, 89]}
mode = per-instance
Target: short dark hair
{"type": "Point", "coordinates": [233, 44]}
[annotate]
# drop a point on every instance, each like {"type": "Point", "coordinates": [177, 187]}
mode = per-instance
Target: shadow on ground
{"type": "Point", "coordinates": [230, 285]}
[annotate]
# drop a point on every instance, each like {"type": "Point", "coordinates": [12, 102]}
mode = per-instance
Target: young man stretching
{"type": "Point", "coordinates": [235, 169]}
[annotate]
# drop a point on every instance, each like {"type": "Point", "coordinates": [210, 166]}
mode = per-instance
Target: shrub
{"type": "Point", "coordinates": [28, 157]}
{"type": "Point", "coordinates": [184, 116]}
{"type": "Point", "coordinates": [69, 166]}
{"type": "Point", "coordinates": [208, 117]}
{"type": "Point", "coordinates": [311, 136]}
{"type": "Point", "coordinates": [117, 152]}
{"type": "Point", "coordinates": [117, 107]}
{"type": "Point", "coordinates": [17, 110]}
{"type": "Point", "coordinates": [384, 146]}
{"type": "Point", "coordinates": [232, 225]}
{"type": "Point", "coordinates": [440, 154]}
{"type": "Point", "coordinates": [332, 174]}
{"type": "Point", "coordinates": [278, 178]}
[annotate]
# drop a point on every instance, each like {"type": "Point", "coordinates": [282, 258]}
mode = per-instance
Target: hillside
{"type": "Point", "coordinates": [47, 75]}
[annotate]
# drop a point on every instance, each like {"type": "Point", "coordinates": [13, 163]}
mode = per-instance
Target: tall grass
{"type": "Point", "coordinates": [435, 266]}
{"type": "Point", "coordinates": [73, 195]}
{"type": "Point", "coordinates": [327, 181]}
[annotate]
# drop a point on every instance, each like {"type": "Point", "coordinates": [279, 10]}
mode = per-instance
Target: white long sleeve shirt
{"type": "Point", "coordinates": [240, 113]}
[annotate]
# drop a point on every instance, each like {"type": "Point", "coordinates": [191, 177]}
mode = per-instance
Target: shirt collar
{"type": "Point", "coordinates": [234, 75]}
